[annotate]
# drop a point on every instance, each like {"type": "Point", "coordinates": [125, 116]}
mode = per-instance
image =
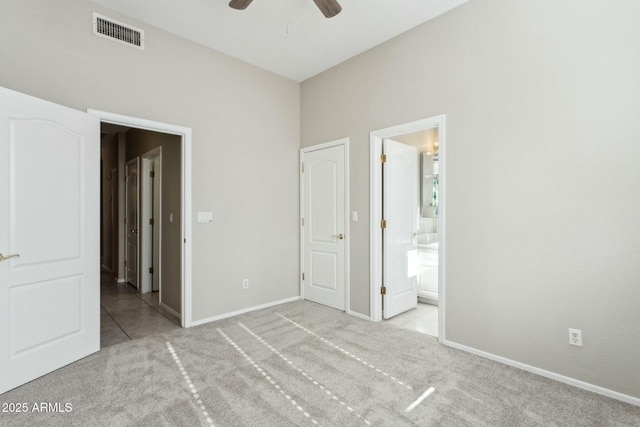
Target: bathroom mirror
{"type": "Point", "coordinates": [429, 185]}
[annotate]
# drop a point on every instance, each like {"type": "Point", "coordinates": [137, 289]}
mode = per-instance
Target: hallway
{"type": "Point", "coordinates": [127, 315]}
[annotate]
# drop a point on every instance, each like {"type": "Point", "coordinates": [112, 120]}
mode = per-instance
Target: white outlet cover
{"type": "Point", "coordinates": [575, 337]}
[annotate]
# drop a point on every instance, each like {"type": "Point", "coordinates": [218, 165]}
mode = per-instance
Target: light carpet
{"type": "Point", "coordinates": [302, 364]}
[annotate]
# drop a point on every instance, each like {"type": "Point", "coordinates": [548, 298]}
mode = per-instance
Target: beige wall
{"type": "Point", "coordinates": [245, 124]}
{"type": "Point", "coordinates": [542, 101]}
{"type": "Point", "coordinates": [138, 143]}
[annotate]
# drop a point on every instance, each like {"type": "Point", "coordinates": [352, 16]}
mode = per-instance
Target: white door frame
{"type": "Point", "coordinates": [375, 184]}
{"type": "Point", "coordinates": [185, 134]}
{"type": "Point", "coordinates": [149, 207]}
{"type": "Point", "coordinates": [344, 142]}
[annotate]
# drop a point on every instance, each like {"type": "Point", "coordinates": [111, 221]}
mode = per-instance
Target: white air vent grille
{"type": "Point", "coordinates": [117, 31]}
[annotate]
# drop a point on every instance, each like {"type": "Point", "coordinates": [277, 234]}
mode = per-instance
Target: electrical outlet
{"type": "Point", "coordinates": [575, 337]}
{"type": "Point", "coordinates": [245, 284]}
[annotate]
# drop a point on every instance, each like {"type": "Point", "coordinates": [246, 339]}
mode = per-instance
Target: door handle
{"type": "Point", "coordinates": [339, 236]}
{"type": "Point", "coordinates": [2, 257]}
{"type": "Point", "coordinates": [134, 231]}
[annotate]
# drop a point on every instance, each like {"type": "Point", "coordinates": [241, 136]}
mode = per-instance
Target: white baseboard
{"type": "Point", "coordinates": [358, 315]}
{"type": "Point", "coordinates": [121, 280]}
{"type": "Point", "coordinates": [245, 310]}
{"type": "Point", "coordinates": [170, 310]}
{"type": "Point", "coordinates": [548, 374]}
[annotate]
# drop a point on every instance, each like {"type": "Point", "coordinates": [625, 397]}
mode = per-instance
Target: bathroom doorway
{"type": "Point", "coordinates": [426, 259]}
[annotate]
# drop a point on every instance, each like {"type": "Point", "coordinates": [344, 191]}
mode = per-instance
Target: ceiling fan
{"type": "Point", "coordinates": [329, 8]}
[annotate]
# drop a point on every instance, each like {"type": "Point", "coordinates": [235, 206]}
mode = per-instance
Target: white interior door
{"type": "Point", "coordinates": [400, 211]}
{"type": "Point", "coordinates": [132, 198]}
{"type": "Point", "coordinates": [150, 221]}
{"type": "Point", "coordinates": [324, 244]}
{"type": "Point", "coordinates": [49, 216]}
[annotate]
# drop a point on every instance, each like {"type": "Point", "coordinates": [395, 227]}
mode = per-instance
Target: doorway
{"type": "Point", "coordinates": [172, 228]}
{"type": "Point", "coordinates": [431, 227]}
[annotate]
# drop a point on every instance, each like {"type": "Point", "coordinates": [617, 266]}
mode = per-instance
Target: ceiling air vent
{"type": "Point", "coordinates": [117, 31]}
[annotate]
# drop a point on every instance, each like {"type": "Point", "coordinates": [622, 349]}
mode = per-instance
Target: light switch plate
{"type": "Point", "coordinates": [205, 216]}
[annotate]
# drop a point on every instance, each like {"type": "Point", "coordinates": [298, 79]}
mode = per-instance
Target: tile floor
{"type": "Point", "coordinates": [423, 318]}
{"type": "Point", "coordinates": [127, 315]}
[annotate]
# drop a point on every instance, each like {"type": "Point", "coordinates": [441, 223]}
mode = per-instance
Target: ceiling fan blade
{"type": "Point", "coordinates": [329, 8]}
{"type": "Point", "coordinates": [239, 4]}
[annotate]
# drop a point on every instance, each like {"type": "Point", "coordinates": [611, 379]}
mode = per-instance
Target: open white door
{"type": "Point", "coordinates": [49, 216]}
{"type": "Point", "coordinates": [323, 229]}
{"type": "Point", "coordinates": [400, 211]}
{"type": "Point", "coordinates": [150, 221]}
{"type": "Point", "coordinates": [132, 221]}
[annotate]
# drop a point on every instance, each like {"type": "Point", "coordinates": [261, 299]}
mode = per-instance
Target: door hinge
{"type": "Point", "coordinates": [383, 158]}
{"type": "Point", "coordinates": [383, 223]}
{"type": "Point", "coordinates": [303, 276]}
{"type": "Point", "coordinates": [150, 270]}
{"type": "Point", "coordinates": [302, 222]}
{"type": "Point", "coordinates": [383, 290]}
{"type": "Point", "coordinates": [151, 221]}
{"type": "Point", "coordinates": [152, 174]}
{"type": "Point", "coordinates": [302, 167]}
{"type": "Point", "coordinates": [125, 221]}
{"type": "Point", "coordinates": [125, 263]}
{"type": "Point", "coordinates": [126, 178]}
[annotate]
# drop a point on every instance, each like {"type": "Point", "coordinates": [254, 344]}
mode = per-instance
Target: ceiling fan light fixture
{"type": "Point", "coordinates": [239, 4]}
{"type": "Point", "coordinates": [329, 8]}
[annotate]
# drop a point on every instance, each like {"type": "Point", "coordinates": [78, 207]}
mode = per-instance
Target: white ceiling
{"type": "Point", "coordinates": [288, 37]}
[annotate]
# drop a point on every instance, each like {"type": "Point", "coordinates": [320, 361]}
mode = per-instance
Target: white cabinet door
{"type": "Point", "coordinates": [49, 216]}
{"type": "Point", "coordinates": [324, 226]}
{"type": "Point", "coordinates": [400, 211]}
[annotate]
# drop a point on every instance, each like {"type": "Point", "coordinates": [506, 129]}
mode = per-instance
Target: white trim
{"type": "Point", "coordinates": [344, 142]}
{"type": "Point", "coordinates": [358, 315]}
{"type": "Point", "coordinates": [186, 135]}
{"type": "Point", "coordinates": [243, 311]}
{"type": "Point", "coordinates": [375, 185]}
{"type": "Point", "coordinates": [547, 374]}
{"type": "Point", "coordinates": [169, 309]}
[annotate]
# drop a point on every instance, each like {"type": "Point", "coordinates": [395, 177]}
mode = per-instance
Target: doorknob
{"type": "Point", "coordinates": [339, 236]}
{"type": "Point", "coordinates": [2, 257]}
